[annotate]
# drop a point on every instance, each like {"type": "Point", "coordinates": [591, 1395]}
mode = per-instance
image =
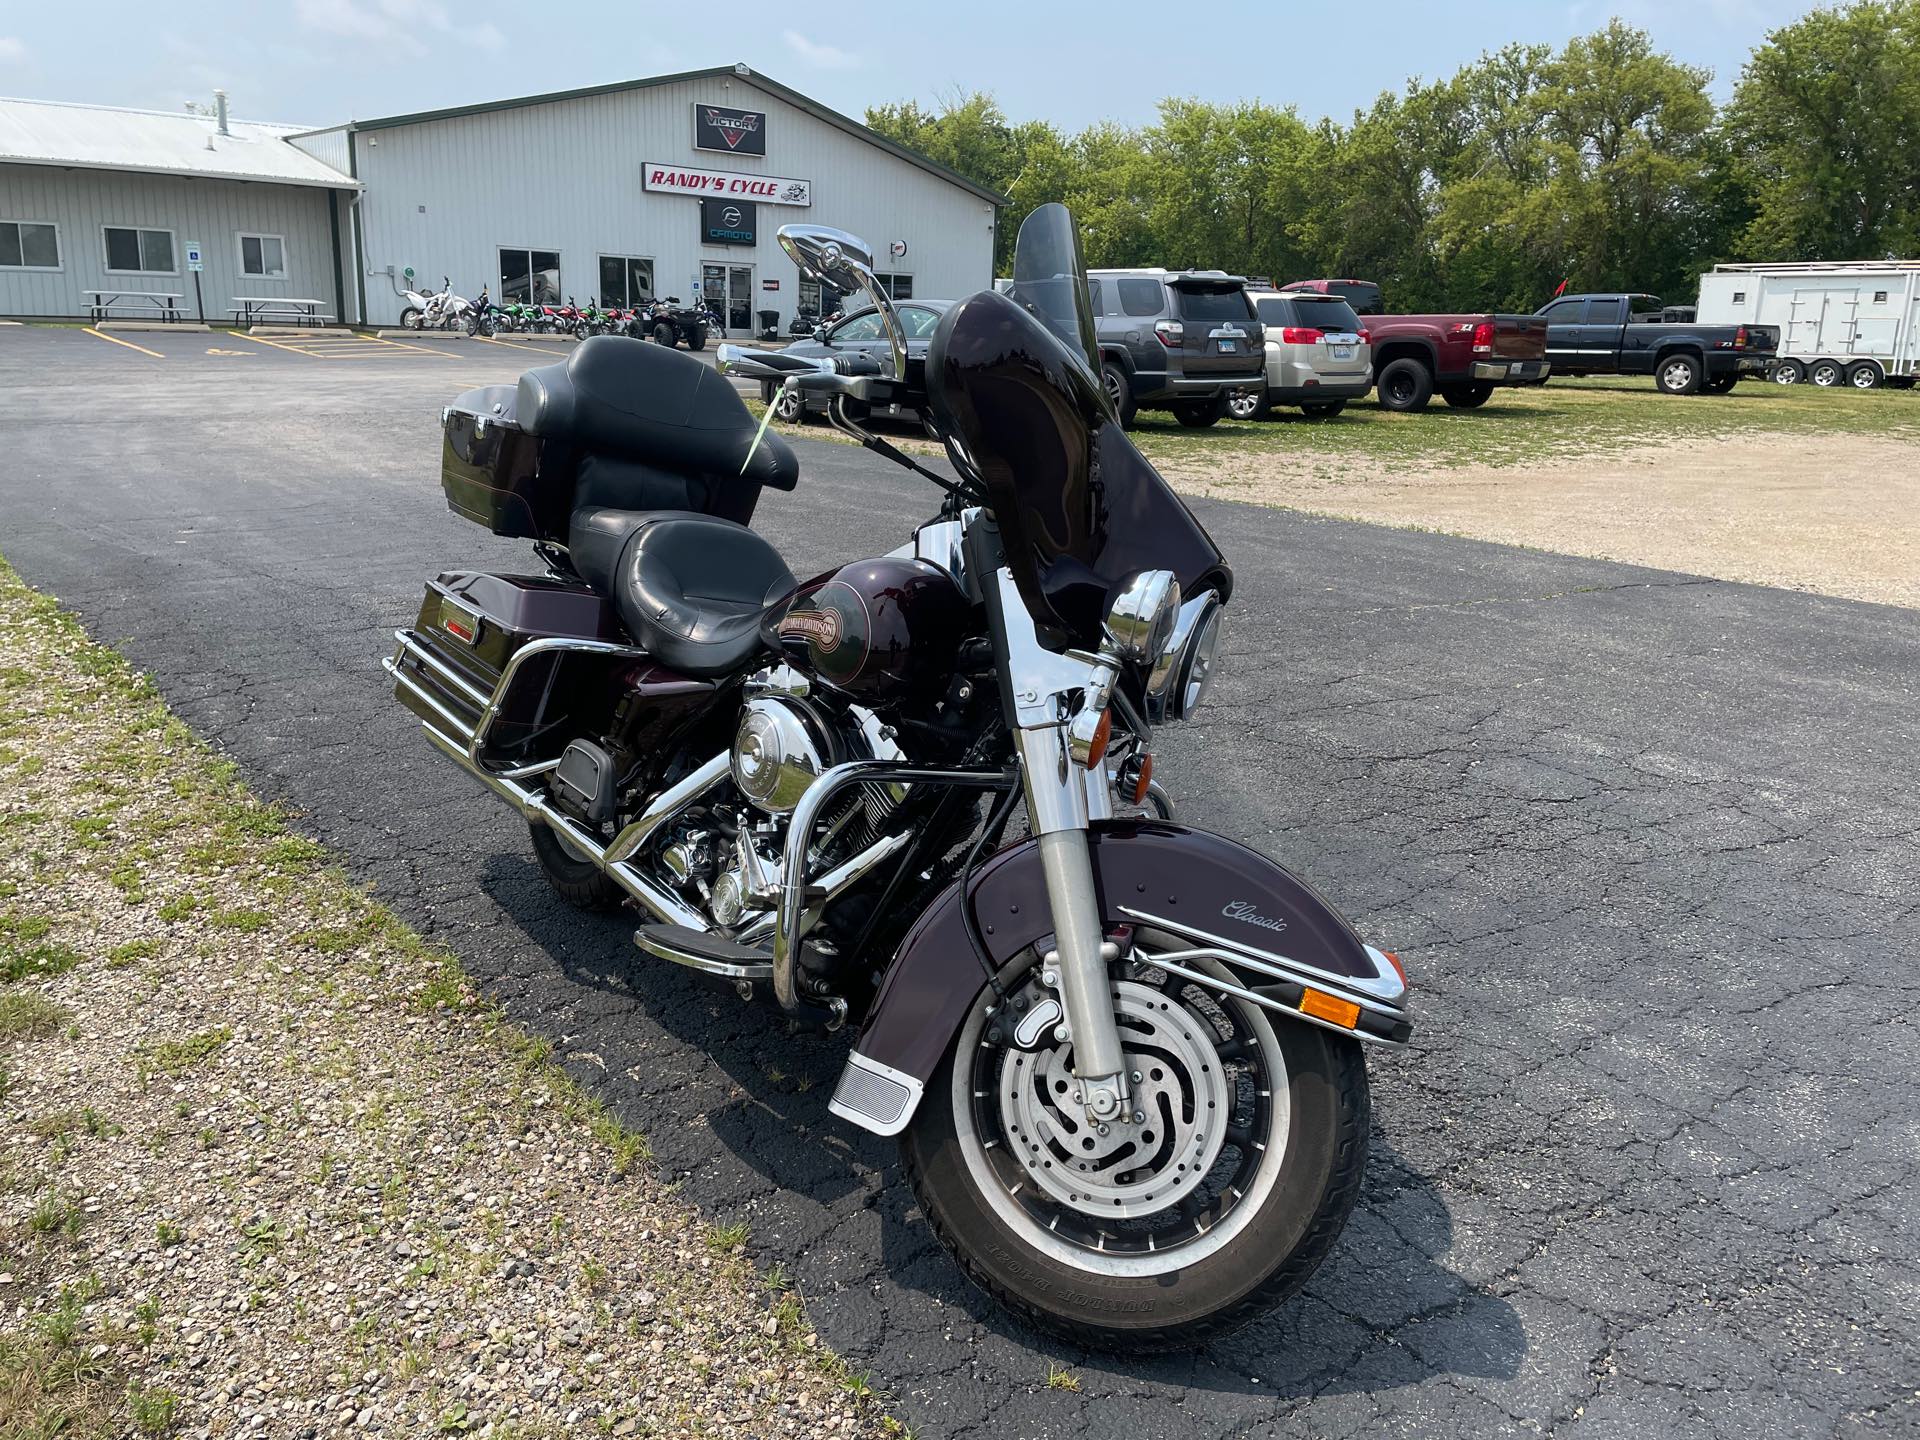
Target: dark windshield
{"type": "Point", "coordinates": [1213, 302]}
{"type": "Point", "coordinates": [1080, 510]}
{"type": "Point", "coordinates": [1050, 279]}
{"type": "Point", "coordinates": [1318, 312]}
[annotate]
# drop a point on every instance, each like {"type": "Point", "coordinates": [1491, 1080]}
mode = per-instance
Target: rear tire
{"type": "Point", "coordinates": [1467, 397]}
{"type": "Point", "coordinates": [697, 338]}
{"type": "Point", "coordinates": [1120, 391]}
{"type": "Point", "coordinates": [1263, 1245]}
{"type": "Point", "coordinates": [1199, 414]}
{"type": "Point", "coordinates": [1324, 409]}
{"type": "Point", "coordinates": [789, 407]}
{"type": "Point", "coordinates": [1405, 386]}
{"type": "Point", "coordinates": [410, 319]}
{"type": "Point", "coordinates": [1677, 374]}
{"type": "Point", "coordinates": [1789, 372]}
{"type": "Point", "coordinates": [1825, 373]}
{"type": "Point", "coordinates": [579, 882]}
{"type": "Point", "coordinates": [1864, 375]}
{"type": "Point", "coordinates": [1721, 384]}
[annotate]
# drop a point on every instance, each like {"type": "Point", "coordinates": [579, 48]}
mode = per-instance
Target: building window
{"type": "Point", "coordinates": [1739, 297]}
{"type": "Point", "coordinates": [263, 256]}
{"type": "Point", "coordinates": [139, 252]}
{"type": "Point", "coordinates": [530, 276]}
{"type": "Point", "coordinates": [898, 286]}
{"type": "Point", "coordinates": [626, 281]}
{"type": "Point", "coordinates": [29, 245]}
{"type": "Point", "coordinates": [1879, 297]}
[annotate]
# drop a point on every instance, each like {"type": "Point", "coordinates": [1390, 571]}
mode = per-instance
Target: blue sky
{"type": "Point", "coordinates": [319, 61]}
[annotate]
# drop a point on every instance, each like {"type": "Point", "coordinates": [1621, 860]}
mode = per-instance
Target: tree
{"type": "Point", "coordinates": [1821, 130]}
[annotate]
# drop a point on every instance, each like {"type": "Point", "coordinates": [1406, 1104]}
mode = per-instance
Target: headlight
{"type": "Point", "coordinates": [1141, 624]}
{"type": "Point", "coordinates": [1179, 681]}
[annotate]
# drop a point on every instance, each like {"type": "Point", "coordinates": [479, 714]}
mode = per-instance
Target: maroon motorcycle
{"type": "Point", "coordinates": [1123, 1056]}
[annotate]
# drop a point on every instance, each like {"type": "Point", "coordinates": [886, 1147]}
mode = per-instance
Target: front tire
{"type": "Point", "coordinates": [1199, 414]}
{"type": "Point", "coordinates": [1467, 397]}
{"type": "Point", "coordinates": [1249, 404]}
{"type": "Point", "coordinates": [663, 334]}
{"type": "Point", "coordinates": [697, 338]}
{"type": "Point", "coordinates": [574, 878]}
{"type": "Point", "coordinates": [1193, 1252]}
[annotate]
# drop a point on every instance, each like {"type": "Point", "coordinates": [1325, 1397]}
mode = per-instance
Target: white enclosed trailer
{"type": "Point", "coordinates": [1841, 322]}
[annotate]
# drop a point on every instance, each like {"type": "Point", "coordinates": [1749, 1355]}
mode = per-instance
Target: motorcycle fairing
{"type": "Point", "coordinates": [1276, 934]}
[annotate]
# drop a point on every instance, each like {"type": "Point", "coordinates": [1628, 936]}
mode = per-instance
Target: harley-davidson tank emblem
{"type": "Point", "coordinates": [1244, 912]}
{"type": "Point", "coordinates": [817, 627]}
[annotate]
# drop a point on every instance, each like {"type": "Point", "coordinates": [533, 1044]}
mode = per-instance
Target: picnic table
{"type": "Point", "coordinates": [249, 309]}
{"type": "Point", "coordinates": [103, 304]}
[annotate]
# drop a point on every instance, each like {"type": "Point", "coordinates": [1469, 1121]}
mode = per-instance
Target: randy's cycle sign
{"type": "Point", "coordinates": [739, 132]}
{"type": "Point", "coordinates": [725, 184]}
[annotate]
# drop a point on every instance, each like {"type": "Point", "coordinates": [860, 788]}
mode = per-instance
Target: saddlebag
{"type": "Point", "coordinates": [471, 628]}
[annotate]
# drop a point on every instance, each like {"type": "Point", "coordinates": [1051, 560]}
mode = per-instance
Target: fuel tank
{"type": "Point", "coordinates": [877, 631]}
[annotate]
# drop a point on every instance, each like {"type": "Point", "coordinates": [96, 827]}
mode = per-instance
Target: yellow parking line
{"type": "Point", "coordinates": [510, 345]}
{"type": "Point", "coordinates": [116, 340]}
{"type": "Point", "coordinates": [276, 344]}
{"type": "Point", "coordinates": [403, 345]}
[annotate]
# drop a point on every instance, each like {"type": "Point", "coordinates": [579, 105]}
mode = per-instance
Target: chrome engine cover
{"type": "Point", "coordinates": [779, 750]}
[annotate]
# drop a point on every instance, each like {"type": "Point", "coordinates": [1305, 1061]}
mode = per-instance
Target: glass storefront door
{"type": "Point", "coordinates": [728, 289]}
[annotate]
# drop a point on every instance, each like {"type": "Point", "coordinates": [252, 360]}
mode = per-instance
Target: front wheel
{"type": "Point", "coordinates": [1214, 1201]}
{"type": "Point", "coordinates": [697, 338]}
{"type": "Point", "coordinates": [663, 334]}
{"type": "Point", "coordinates": [1199, 414]}
{"type": "Point", "coordinates": [1249, 404]}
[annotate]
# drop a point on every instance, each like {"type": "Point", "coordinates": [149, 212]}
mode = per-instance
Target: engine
{"type": "Point", "coordinates": [728, 856]}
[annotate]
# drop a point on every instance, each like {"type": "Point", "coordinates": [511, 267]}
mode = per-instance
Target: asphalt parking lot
{"type": "Point", "coordinates": [1650, 845]}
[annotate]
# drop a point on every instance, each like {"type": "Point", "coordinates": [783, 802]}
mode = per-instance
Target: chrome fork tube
{"type": "Point", "coordinates": [1056, 793]}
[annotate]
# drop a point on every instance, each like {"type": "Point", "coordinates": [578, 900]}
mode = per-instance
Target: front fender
{"type": "Point", "coordinates": [1273, 931]}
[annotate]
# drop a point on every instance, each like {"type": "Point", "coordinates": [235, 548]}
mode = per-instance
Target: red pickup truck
{"type": "Point", "coordinates": [1461, 357]}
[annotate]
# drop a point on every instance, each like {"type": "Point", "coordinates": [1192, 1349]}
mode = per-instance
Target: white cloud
{"type": "Point", "coordinates": [821, 57]}
{"type": "Point", "coordinates": [12, 49]}
{"type": "Point", "coordinates": [405, 25]}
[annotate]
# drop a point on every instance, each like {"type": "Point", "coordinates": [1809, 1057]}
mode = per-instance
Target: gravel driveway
{"type": "Point", "coordinates": [1648, 842]}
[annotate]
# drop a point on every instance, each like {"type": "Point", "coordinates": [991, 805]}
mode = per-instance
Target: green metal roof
{"type": "Point", "coordinates": [729, 72]}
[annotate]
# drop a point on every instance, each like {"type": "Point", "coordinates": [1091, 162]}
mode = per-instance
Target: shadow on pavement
{"type": "Point", "coordinates": [1384, 1311]}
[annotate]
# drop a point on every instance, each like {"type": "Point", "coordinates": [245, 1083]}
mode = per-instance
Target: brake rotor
{"type": "Point", "coordinates": [1182, 1095]}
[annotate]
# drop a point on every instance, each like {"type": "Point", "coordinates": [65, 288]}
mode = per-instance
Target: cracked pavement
{"type": "Point", "coordinates": [1649, 845]}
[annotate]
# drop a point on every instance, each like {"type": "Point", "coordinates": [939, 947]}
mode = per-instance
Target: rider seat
{"type": "Point", "coordinates": [691, 588]}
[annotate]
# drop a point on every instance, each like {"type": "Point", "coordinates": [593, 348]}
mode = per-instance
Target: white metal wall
{"type": "Point", "coordinates": [443, 196]}
{"type": "Point", "coordinates": [214, 212]}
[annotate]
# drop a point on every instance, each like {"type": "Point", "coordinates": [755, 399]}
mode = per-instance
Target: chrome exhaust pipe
{"type": "Point", "coordinates": [652, 897]}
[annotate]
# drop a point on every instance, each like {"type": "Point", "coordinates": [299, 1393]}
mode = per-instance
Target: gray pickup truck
{"type": "Point", "coordinates": [1630, 334]}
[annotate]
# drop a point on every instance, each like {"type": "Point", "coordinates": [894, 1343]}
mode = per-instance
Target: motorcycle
{"type": "Point", "coordinates": [442, 311]}
{"type": "Point", "coordinates": [1122, 1056]}
{"type": "Point", "coordinates": [480, 316]}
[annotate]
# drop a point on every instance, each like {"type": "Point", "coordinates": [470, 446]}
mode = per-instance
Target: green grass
{"type": "Point", "coordinates": [1559, 421]}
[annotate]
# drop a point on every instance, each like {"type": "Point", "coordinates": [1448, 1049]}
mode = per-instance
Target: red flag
{"type": "Point", "coordinates": [1559, 290]}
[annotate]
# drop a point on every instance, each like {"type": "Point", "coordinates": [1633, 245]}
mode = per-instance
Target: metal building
{"type": "Point", "coordinates": [672, 185]}
{"type": "Point", "coordinates": [94, 199]}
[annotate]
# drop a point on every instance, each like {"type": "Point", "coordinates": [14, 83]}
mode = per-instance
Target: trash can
{"type": "Point", "coordinates": [769, 322]}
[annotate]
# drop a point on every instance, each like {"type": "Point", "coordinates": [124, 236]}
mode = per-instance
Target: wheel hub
{"type": "Point", "coordinates": [1181, 1094]}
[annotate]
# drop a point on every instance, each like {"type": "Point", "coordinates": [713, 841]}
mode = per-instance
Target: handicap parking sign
{"type": "Point", "coordinates": [193, 257]}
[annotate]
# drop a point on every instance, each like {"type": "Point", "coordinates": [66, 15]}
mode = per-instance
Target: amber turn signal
{"type": "Point", "coordinates": [1143, 780]}
{"type": "Point", "coordinates": [1102, 734]}
{"type": "Point", "coordinates": [1330, 1008]}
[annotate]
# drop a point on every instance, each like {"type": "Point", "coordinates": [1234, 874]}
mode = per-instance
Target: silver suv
{"type": "Point", "coordinates": [1179, 340]}
{"type": "Point", "coordinates": [1318, 355]}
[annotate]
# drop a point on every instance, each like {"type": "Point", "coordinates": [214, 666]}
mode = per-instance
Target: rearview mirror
{"type": "Point", "coordinates": [842, 260]}
{"type": "Point", "coordinates": [820, 334]}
